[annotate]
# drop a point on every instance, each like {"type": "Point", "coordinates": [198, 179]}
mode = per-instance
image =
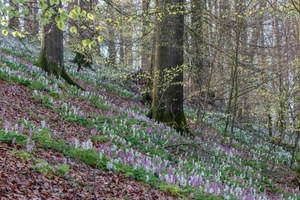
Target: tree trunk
{"type": "Point", "coordinates": [31, 24]}
{"type": "Point", "coordinates": [122, 46]}
{"type": "Point", "coordinates": [167, 105]}
{"type": "Point", "coordinates": [145, 41]}
{"type": "Point", "coordinates": [111, 46]}
{"type": "Point", "coordinates": [51, 53]}
{"type": "Point", "coordinates": [13, 19]}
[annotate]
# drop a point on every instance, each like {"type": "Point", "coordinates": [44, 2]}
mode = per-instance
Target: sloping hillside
{"type": "Point", "coordinates": [63, 143]}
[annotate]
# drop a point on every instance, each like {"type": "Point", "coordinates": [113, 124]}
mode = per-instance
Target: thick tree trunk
{"type": "Point", "coordinates": [52, 53]}
{"type": "Point", "coordinates": [167, 105]}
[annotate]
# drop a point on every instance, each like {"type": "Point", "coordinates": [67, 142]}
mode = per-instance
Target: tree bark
{"type": "Point", "coordinates": [145, 44]}
{"type": "Point", "coordinates": [31, 24]}
{"type": "Point", "coordinates": [52, 52]}
{"type": "Point", "coordinates": [167, 105]}
{"type": "Point", "coordinates": [14, 20]}
{"type": "Point", "coordinates": [111, 46]}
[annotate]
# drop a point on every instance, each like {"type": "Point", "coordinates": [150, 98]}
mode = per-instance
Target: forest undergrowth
{"type": "Point", "coordinates": [61, 142]}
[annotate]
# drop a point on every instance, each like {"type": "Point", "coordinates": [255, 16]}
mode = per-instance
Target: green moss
{"type": "Point", "coordinates": [179, 122]}
{"type": "Point", "coordinates": [42, 62]}
{"type": "Point", "coordinates": [53, 68]}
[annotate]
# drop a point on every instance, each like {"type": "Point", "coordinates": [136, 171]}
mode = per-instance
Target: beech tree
{"type": "Point", "coordinates": [52, 51]}
{"type": "Point", "coordinates": [167, 104]}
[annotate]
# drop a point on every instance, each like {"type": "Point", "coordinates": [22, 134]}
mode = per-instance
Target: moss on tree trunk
{"type": "Point", "coordinates": [171, 118]}
{"type": "Point", "coordinates": [53, 68]}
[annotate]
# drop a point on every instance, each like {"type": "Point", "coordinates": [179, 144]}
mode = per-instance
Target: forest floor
{"type": "Point", "coordinates": [57, 142]}
{"type": "Point", "coordinates": [19, 179]}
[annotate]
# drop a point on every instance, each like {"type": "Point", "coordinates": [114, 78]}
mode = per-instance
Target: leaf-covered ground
{"type": "Point", "coordinates": [58, 142]}
{"type": "Point", "coordinates": [20, 180]}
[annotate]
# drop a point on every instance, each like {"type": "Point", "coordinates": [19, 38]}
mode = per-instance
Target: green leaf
{"type": "Point", "coordinates": [92, 44]}
{"type": "Point", "coordinates": [100, 38]}
{"type": "Point", "coordinates": [61, 25]}
{"type": "Point", "coordinates": [14, 33]}
{"type": "Point", "coordinates": [17, 34]}
{"type": "Point", "coordinates": [73, 29]}
{"type": "Point", "coordinates": [85, 42]}
{"type": "Point", "coordinates": [58, 19]}
{"type": "Point", "coordinates": [63, 16]}
{"type": "Point", "coordinates": [83, 13]}
{"type": "Point", "coordinates": [77, 9]}
{"type": "Point", "coordinates": [4, 32]}
{"type": "Point", "coordinates": [44, 21]}
{"type": "Point", "coordinates": [15, 2]}
{"type": "Point", "coordinates": [43, 5]}
{"type": "Point", "coordinates": [73, 14]}
{"type": "Point", "coordinates": [52, 2]}
{"type": "Point", "coordinates": [48, 14]}
{"type": "Point", "coordinates": [90, 16]}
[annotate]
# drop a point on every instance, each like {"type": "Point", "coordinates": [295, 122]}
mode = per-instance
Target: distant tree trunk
{"type": "Point", "coordinates": [167, 105]}
{"type": "Point", "coordinates": [145, 46]}
{"type": "Point", "coordinates": [128, 47]}
{"type": "Point", "coordinates": [122, 46]}
{"type": "Point", "coordinates": [153, 48]}
{"type": "Point", "coordinates": [13, 19]}
{"type": "Point", "coordinates": [240, 34]}
{"type": "Point", "coordinates": [111, 46]}
{"type": "Point", "coordinates": [51, 52]}
{"type": "Point", "coordinates": [31, 24]}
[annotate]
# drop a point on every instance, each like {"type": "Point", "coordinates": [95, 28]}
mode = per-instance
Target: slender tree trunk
{"type": "Point", "coordinates": [145, 45]}
{"type": "Point", "coordinates": [31, 24]}
{"type": "Point", "coordinates": [111, 46]}
{"type": "Point", "coordinates": [128, 48]}
{"type": "Point", "coordinates": [167, 105]}
{"type": "Point", "coordinates": [122, 46]}
{"type": "Point", "coordinates": [14, 22]}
